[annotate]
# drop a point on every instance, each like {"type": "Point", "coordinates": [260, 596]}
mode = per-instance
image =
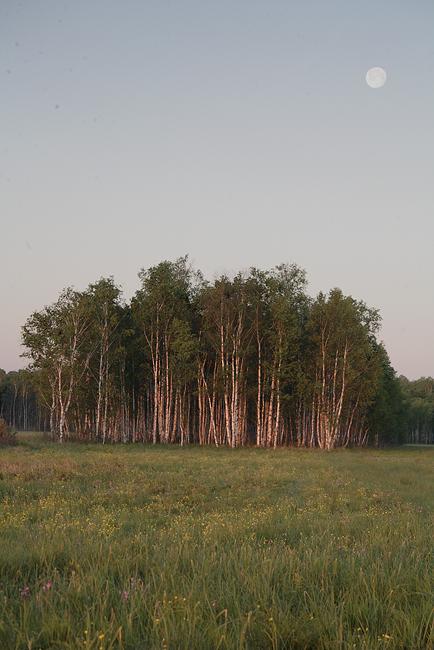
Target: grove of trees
{"type": "Point", "coordinates": [243, 360]}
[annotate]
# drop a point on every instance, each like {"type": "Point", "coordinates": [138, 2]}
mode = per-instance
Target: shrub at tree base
{"type": "Point", "coordinates": [7, 437]}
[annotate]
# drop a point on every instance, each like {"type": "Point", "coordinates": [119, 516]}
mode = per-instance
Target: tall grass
{"type": "Point", "coordinates": [138, 547]}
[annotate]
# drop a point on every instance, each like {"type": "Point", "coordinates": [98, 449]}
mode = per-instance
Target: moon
{"type": "Point", "coordinates": [376, 77]}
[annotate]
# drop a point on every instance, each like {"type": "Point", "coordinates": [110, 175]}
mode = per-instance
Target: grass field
{"type": "Point", "coordinates": [139, 548]}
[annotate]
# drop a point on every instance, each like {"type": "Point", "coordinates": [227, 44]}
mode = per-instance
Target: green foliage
{"type": "Point", "coordinates": [388, 415]}
{"type": "Point", "coordinates": [134, 547]}
{"type": "Point", "coordinates": [419, 407]}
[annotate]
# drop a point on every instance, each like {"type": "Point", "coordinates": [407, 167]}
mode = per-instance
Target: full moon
{"type": "Point", "coordinates": [376, 77]}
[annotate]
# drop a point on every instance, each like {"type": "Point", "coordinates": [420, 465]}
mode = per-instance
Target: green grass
{"type": "Point", "coordinates": [206, 548]}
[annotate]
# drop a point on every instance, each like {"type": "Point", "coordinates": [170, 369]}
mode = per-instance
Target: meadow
{"type": "Point", "coordinates": [137, 547]}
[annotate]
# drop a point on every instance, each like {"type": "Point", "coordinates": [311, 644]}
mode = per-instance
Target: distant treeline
{"type": "Point", "coordinates": [246, 360]}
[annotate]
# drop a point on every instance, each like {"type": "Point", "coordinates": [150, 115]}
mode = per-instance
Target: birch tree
{"type": "Point", "coordinates": [163, 311]}
{"type": "Point", "coordinates": [344, 370]}
{"type": "Point", "coordinates": [54, 339]}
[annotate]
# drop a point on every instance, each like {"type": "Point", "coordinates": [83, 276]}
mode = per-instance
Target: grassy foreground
{"type": "Point", "coordinates": [139, 548]}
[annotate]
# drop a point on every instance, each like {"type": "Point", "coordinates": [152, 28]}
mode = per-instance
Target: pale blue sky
{"type": "Point", "coordinates": [242, 133]}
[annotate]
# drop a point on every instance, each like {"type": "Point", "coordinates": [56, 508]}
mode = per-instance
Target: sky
{"type": "Point", "coordinates": [240, 132]}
